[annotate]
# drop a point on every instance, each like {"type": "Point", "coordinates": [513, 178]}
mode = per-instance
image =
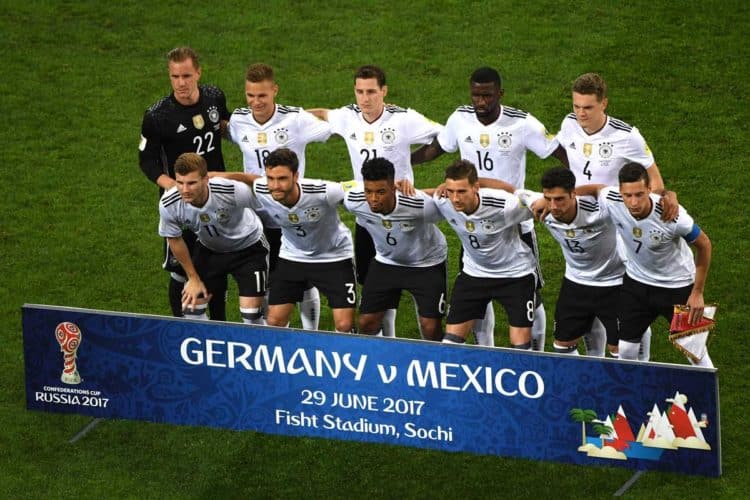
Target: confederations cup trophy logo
{"type": "Point", "coordinates": [68, 335]}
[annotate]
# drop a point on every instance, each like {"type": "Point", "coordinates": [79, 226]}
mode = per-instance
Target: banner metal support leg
{"type": "Point", "coordinates": [85, 430]}
{"type": "Point", "coordinates": [630, 482]}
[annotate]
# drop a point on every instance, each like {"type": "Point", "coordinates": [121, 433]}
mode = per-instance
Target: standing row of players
{"type": "Point", "coordinates": [492, 136]}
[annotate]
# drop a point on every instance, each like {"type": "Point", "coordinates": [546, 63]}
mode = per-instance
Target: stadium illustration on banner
{"type": "Point", "coordinates": [672, 429]}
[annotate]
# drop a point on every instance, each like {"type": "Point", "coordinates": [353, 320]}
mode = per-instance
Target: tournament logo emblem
{"type": "Point", "coordinates": [262, 138]}
{"type": "Point", "coordinates": [570, 233]}
{"type": "Point", "coordinates": [470, 226]}
{"type": "Point", "coordinates": [587, 149]}
{"type": "Point", "coordinates": [205, 218]}
{"type": "Point", "coordinates": [637, 232]}
{"type": "Point", "coordinates": [213, 114]}
{"type": "Point", "coordinates": [369, 138]}
{"type": "Point", "coordinates": [198, 121]}
{"type": "Point", "coordinates": [293, 218]}
{"type": "Point", "coordinates": [605, 150]}
{"type": "Point", "coordinates": [484, 140]}
{"type": "Point", "coordinates": [504, 140]}
{"type": "Point", "coordinates": [222, 216]}
{"type": "Point", "coordinates": [387, 224]}
{"type": "Point", "coordinates": [69, 337]}
{"type": "Point", "coordinates": [312, 214]}
{"type": "Point", "coordinates": [348, 185]}
{"type": "Point", "coordinates": [388, 136]}
{"type": "Point", "coordinates": [281, 136]}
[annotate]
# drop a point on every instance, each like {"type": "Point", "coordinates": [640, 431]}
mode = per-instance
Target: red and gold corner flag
{"type": "Point", "coordinates": [692, 340]}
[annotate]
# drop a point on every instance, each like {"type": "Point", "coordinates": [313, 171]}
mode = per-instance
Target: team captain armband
{"type": "Point", "coordinates": [693, 234]}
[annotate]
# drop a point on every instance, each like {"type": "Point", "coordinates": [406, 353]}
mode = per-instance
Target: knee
{"type": "Point", "coordinates": [368, 324]}
{"type": "Point", "coordinates": [431, 329]}
{"type": "Point", "coordinates": [344, 326]}
{"type": "Point", "coordinates": [275, 320]}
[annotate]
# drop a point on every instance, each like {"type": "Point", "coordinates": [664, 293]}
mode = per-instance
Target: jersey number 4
{"type": "Point", "coordinates": [587, 170]}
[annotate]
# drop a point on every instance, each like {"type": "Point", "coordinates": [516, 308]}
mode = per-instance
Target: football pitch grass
{"type": "Point", "coordinates": [80, 226]}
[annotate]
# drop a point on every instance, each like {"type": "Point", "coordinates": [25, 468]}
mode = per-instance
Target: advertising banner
{"type": "Point", "coordinates": [494, 401]}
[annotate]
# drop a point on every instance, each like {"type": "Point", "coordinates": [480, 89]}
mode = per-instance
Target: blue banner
{"type": "Point", "coordinates": [494, 401]}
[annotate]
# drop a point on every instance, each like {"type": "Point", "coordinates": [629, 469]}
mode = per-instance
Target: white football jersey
{"type": "Point", "coordinates": [289, 127]}
{"type": "Point", "coordinates": [498, 150]}
{"type": "Point", "coordinates": [311, 230]}
{"type": "Point", "coordinates": [598, 158]}
{"type": "Point", "coordinates": [492, 244]}
{"type": "Point", "coordinates": [589, 244]}
{"type": "Point", "coordinates": [657, 253]}
{"type": "Point", "coordinates": [224, 224]}
{"type": "Point", "coordinates": [390, 136]}
{"type": "Point", "coordinates": [408, 235]}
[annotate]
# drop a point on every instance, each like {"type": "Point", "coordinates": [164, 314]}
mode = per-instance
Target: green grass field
{"type": "Point", "coordinates": [80, 226]}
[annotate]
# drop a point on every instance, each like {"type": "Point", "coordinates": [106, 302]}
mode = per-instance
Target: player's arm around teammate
{"type": "Point", "coordinates": [316, 247]}
{"type": "Point", "coordinates": [497, 264]}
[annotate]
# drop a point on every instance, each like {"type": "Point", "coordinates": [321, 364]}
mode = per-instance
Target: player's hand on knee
{"type": "Point", "coordinates": [193, 293]}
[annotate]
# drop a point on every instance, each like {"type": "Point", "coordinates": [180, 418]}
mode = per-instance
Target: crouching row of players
{"type": "Point", "coordinates": [411, 251]}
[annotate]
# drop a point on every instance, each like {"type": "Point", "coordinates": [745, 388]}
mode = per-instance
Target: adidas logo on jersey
{"type": "Point", "coordinates": [468, 139]}
{"type": "Point", "coordinates": [353, 137]}
{"type": "Point", "coordinates": [572, 145]}
{"type": "Point", "coordinates": [181, 128]}
{"type": "Point", "coordinates": [245, 139]}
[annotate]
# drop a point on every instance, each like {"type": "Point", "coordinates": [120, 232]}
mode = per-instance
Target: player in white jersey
{"type": "Point", "coordinates": [495, 139]}
{"type": "Point", "coordinates": [262, 127]}
{"type": "Point", "coordinates": [593, 267]}
{"type": "Point", "coordinates": [660, 270]}
{"type": "Point", "coordinates": [373, 129]}
{"type": "Point", "coordinates": [230, 237]}
{"type": "Point", "coordinates": [316, 247]}
{"type": "Point", "coordinates": [597, 146]}
{"type": "Point", "coordinates": [496, 263]}
{"type": "Point", "coordinates": [410, 250]}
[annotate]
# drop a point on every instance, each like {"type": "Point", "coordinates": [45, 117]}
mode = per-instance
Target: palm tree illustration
{"type": "Point", "coordinates": [602, 429]}
{"type": "Point", "coordinates": [584, 417]}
